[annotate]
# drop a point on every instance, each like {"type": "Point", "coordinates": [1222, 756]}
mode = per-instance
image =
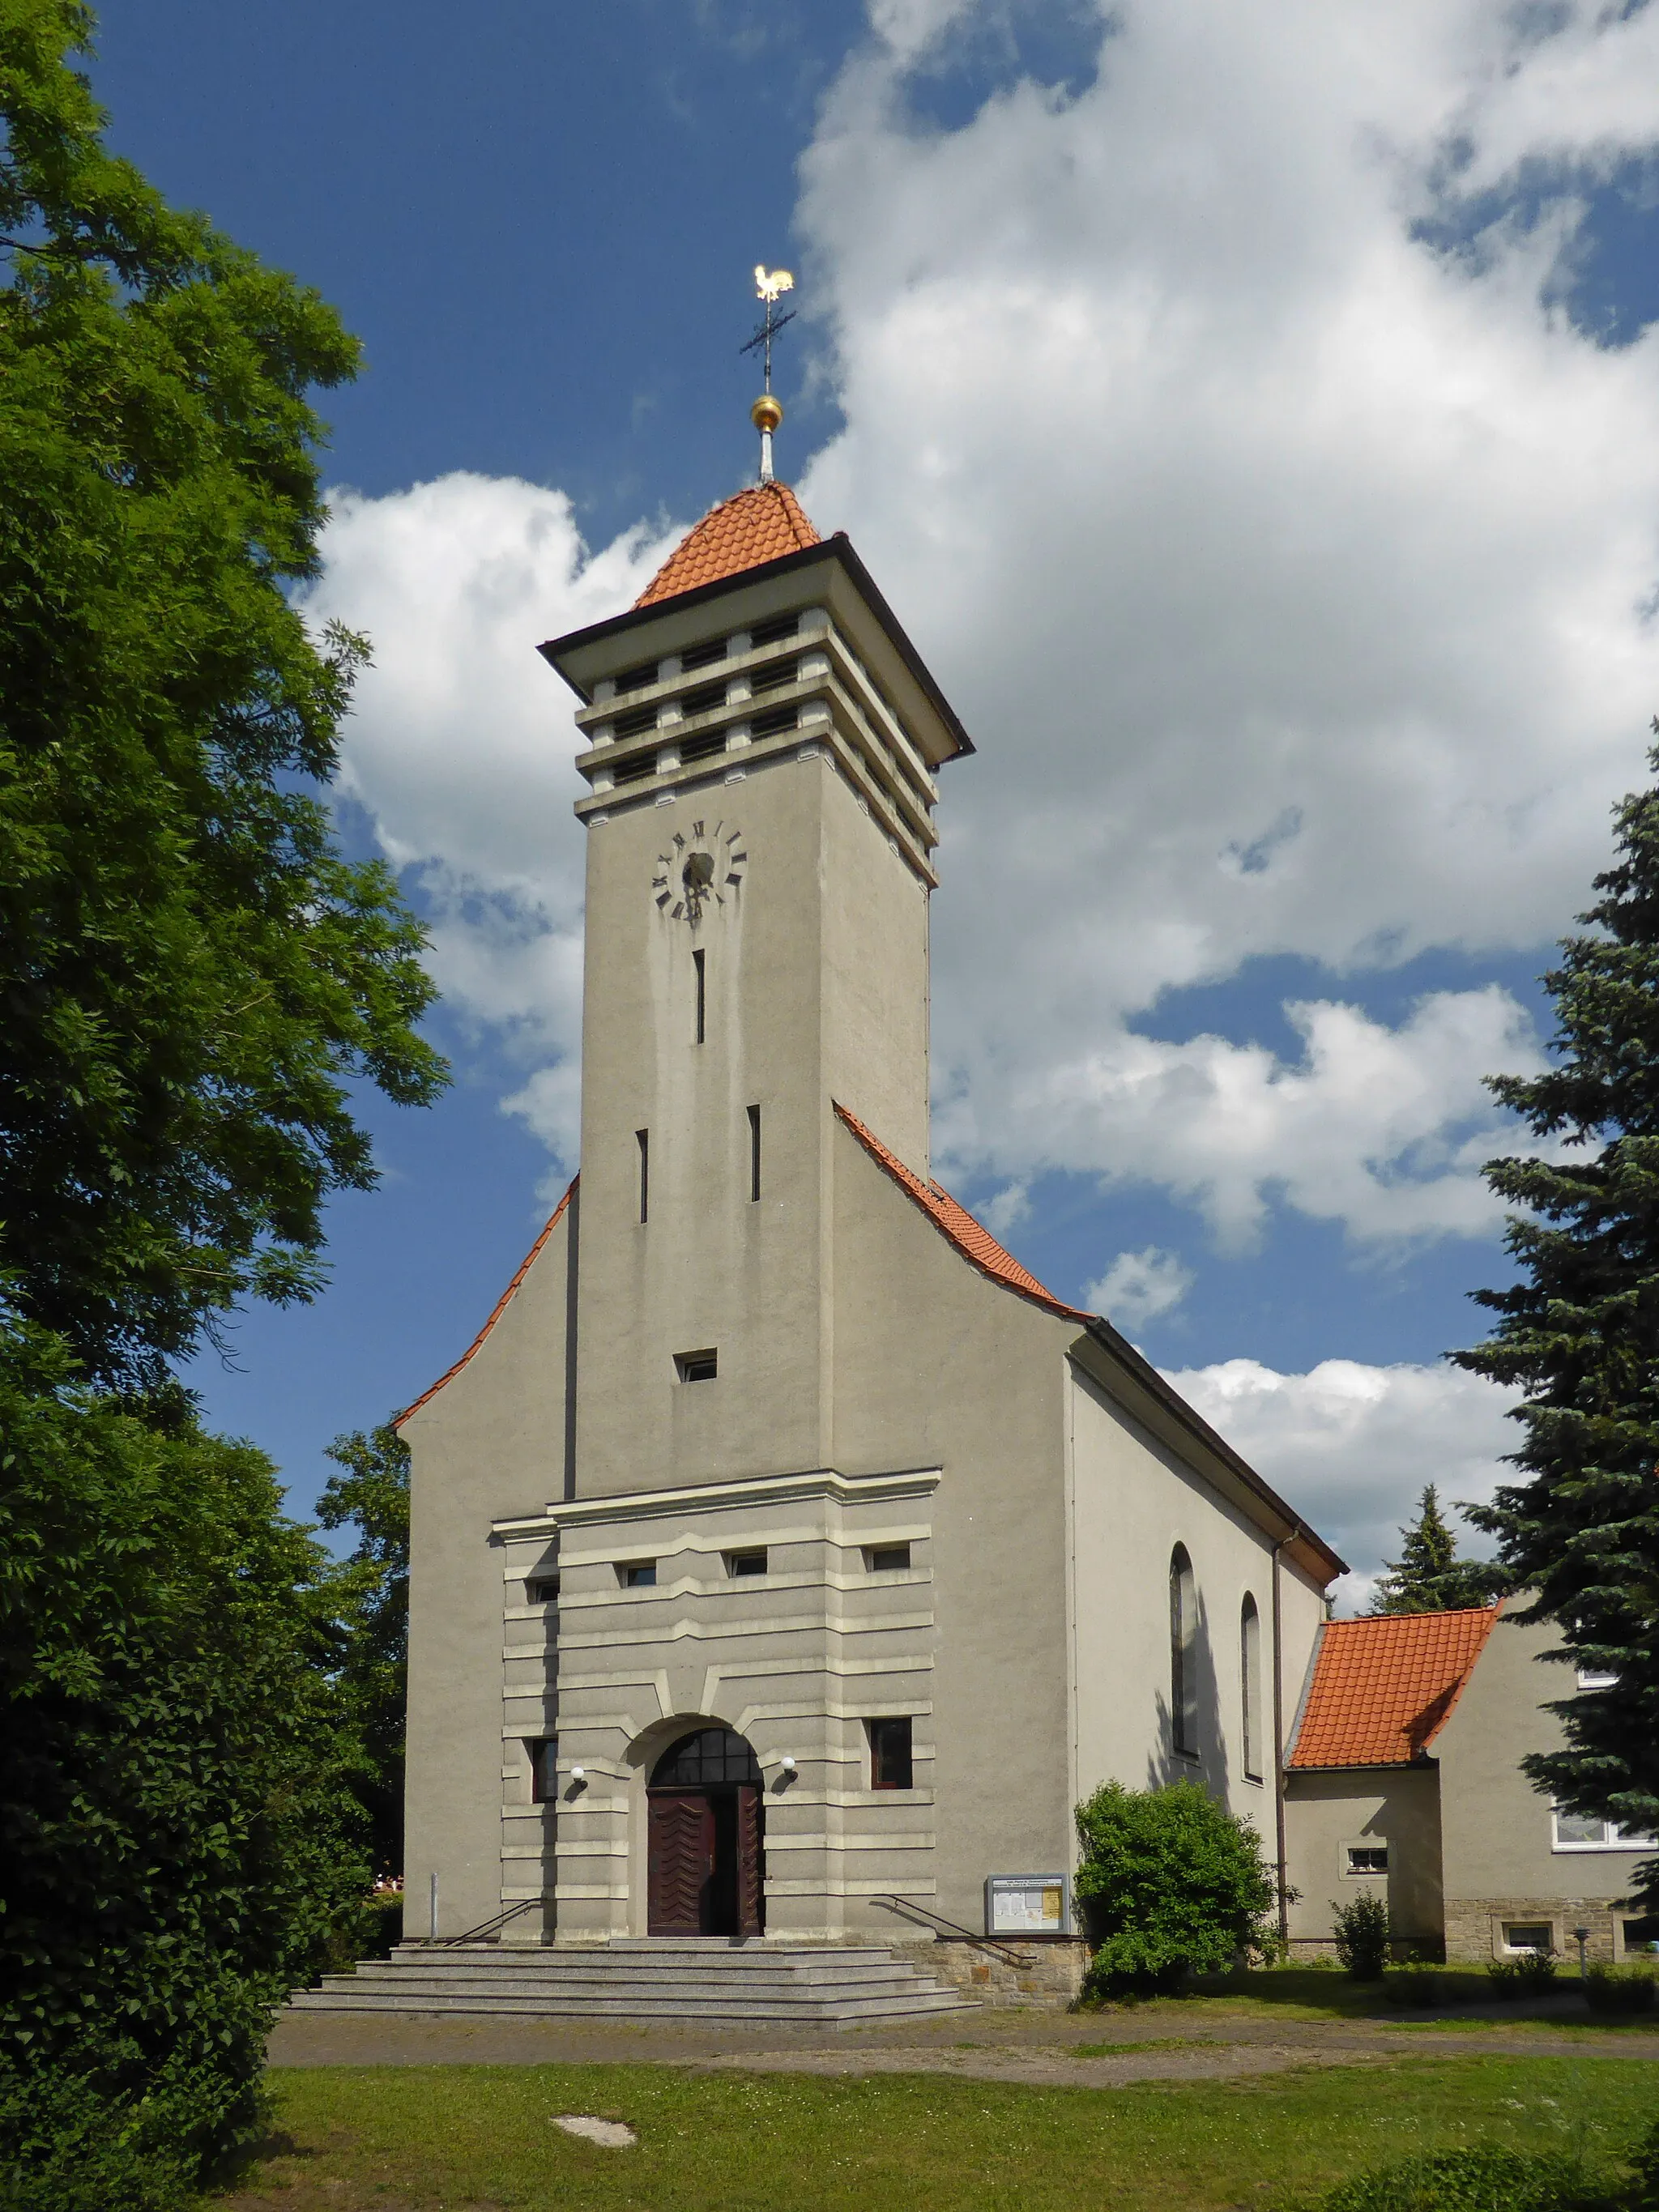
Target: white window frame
{"type": "Point", "coordinates": [1504, 1949]}
{"type": "Point", "coordinates": [1363, 1874]}
{"type": "Point", "coordinates": [1589, 1679]}
{"type": "Point", "coordinates": [1613, 1838]}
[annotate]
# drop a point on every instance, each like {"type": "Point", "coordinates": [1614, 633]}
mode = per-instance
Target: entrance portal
{"type": "Point", "coordinates": [706, 1820]}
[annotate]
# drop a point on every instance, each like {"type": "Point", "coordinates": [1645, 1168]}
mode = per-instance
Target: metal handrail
{"type": "Point", "coordinates": [925, 1913]}
{"type": "Point", "coordinates": [486, 1929]}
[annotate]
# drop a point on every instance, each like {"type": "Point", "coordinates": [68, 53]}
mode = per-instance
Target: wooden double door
{"type": "Point", "coordinates": [703, 1858]}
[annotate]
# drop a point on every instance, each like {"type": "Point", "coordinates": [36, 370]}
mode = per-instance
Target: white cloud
{"type": "Point", "coordinates": [1292, 573]}
{"type": "Point", "coordinates": [1381, 1129]}
{"type": "Point", "coordinates": [1138, 1286]}
{"type": "Point", "coordinates": [1351, 1447]}
{"type": "Point", "coordinates": [461, 743]}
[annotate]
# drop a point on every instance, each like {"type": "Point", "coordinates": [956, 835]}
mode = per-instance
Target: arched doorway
{"type": "Point", "coordinates": [705, 1820]}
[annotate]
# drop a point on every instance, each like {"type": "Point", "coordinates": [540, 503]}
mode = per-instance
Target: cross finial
{"type": "Point", "coordinates": [766, 414]}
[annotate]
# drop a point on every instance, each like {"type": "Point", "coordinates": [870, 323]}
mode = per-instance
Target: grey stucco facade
{"type": "Point", "coordinates": [755, 1334]}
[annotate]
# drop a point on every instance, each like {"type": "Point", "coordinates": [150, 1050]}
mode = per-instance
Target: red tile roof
{"type": "Point", "coordinates": [497, 1310]}
{"type": "Point", "coordinates": [1383, 1689]}
{"type": "Point", "coordinates": [958, 1225]}
{"type": "Point", "coordinates": [762, 523]}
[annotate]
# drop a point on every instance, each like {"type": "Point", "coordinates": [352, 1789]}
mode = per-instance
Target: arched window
{"type": "Point", "coordinates": [1183, 1653]}
{"type": "Point", "coordinates": [708, 1755]}
{"type": "Point", "coordinates": [1249, 1669]}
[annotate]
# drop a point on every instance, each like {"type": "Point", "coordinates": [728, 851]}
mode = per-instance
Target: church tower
{"type": "Point", "coordinates": [786, 1561]}
{"type": "Point", "coordinates": [763, 742]}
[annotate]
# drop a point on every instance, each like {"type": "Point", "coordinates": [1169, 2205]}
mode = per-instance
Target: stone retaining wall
{"type": "Point", "coordinates": [1049, 1972]}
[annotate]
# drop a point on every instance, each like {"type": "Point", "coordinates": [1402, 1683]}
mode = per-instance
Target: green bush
{"type": "Point", "coordinates": [1618, 1988]}
{"type": "Point", "coordinates": [1532, 1975]}
{"type": "Point", "coordinates": [1475, 2181]}
{"type": "Point", "coordinates": [1362, 1936]}
{"type": "Point", "coordinates": [1168, 1885]}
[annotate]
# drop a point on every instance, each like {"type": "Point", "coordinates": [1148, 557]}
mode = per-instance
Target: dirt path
{"type": "Point", "coordinates": [1096, 2051]}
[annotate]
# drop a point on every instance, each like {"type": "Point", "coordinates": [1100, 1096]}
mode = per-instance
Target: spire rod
{"type": "Point", "coordinates": [767, 413]}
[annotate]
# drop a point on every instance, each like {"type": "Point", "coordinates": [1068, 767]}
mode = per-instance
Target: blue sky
{"type": "Point", "coordinates": [1261, 436]}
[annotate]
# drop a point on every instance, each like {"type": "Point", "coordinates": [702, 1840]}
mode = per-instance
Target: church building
{"type": "Point", "coordinates": [787, 1561]}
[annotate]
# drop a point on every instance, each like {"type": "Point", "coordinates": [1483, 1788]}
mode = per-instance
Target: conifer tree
{"type": "Point", "coordinates": [1428, 1577]}
{"type": "Point", "coordinates": [1579, 1334]}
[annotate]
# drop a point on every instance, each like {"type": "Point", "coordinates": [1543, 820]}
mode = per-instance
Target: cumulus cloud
{"type": "Point", "coordinates": [1351, 1447]}
{"type": "Point", "coordinates": [461, 743]}
{"type": "Point", "coordinates": [1293, 567]}
{"type": "Point", "coordinates": [1138, 1286]}
{"type": "Point", "coordinates": [1292, 571]}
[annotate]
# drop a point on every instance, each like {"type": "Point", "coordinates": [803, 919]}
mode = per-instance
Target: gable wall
{"type": "Point", "coordinates": [492, 1444]}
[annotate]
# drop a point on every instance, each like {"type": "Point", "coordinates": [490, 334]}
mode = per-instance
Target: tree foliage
{"type": "Point", "coordinates": [1579, 1334]}
{"type": "Point", "coordinates": [1428, 1577]}
{"type": "Point", "coordinates": [179, 1831]}
{"type": "Point", "coordinates": [371, 1599]}
{"type": "Point", "coordinates": [190, 969]}
{"type": "Point", "coordinates": [1169, 1884]}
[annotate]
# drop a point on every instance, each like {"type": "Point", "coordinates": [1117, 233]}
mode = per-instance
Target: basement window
{"type": "Point", "coordinates": [1366, 1858]}
{"type": "Point", "coordinates": [887, 1559]}
{"type": "Point", "coordinates": [698, 1366]}
{"type": "Point", "coordinates": [638, 1574]}
{"type": "Point", "coordinates": [745, 1563]}
{"type": "Point", "coordinates": [890, 1753]}
{"type": "Point", "coordinates": [1528, 1935]}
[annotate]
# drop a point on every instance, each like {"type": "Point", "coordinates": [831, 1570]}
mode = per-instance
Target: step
{"type": "Point", "coordinates": [648, 1977]}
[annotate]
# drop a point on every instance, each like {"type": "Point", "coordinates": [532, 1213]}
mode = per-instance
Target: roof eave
{"type": "Point", "coordinates": [838, 548]}
{"type": "Point", "coordinates": [1172, 1402]}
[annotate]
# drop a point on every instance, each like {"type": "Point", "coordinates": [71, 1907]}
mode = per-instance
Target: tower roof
{"type": "Point", "coordinates": [1383, 1687]}
{"type": "Point", "coordinates": [759, 524]}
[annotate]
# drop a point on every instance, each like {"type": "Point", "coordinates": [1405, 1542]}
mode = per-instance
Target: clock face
{"type": "Point", "coordinates": [698, 871]}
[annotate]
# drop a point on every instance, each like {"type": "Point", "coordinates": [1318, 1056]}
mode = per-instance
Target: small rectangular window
{"type": "Point", "coordinates": [698, 970]}
{"type": "Point", "coordinates": [887, 1559]}
{"type": "Point", "coordinates": [1592, 1678]}
{"type": "Point", "coordinates": [890, 1753]}
{"type": "Point", "coordinates": [639, 1574]}
{"type": "Point", "coordinates": [773, 722]}
{"type": "Point", "coordinates": [746, 1562]}
{"type": "Point", "coordinates": [704, 655]}
{"type": "Point", "coordinates": [1528, 1935]}
{"type": "Point", "coordinates": [643, 1137]}
{"type": "Point", "coordinates": [1641, 1938]}
{"type": "Point", "coordinates": [546, 1591]}
{"type": "Point", "coordinates": [1368, 1858]}
{"type": "Point", "coordinates": [754, 1153]}
{"type": "Point", "coordinates": [543, 1769]}
{"type": "Point", "coordinates": [636, 679]}
{"type": "Point", "coordinates": [698, 1366]}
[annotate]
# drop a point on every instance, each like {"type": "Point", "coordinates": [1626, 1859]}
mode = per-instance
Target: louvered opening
{"type": "Point", "coordinates": [637, 724]}
{"type": "Point", "coordinates": [773, 678]}
{"type": "Point", "coordinates": [631, 771]}
{"type": "Point", "coordinates": [704, 700]}
{"type": "Point", "coordinates": [770, 633]}
{"type": "Point", "coordinates": [636, 679]}
{"type": "Point", "coordinates": [770, 725]}
{"type": "Point", "coordinates": [703, 656]}
{"type": "Point", "coordinates": [699, 748]}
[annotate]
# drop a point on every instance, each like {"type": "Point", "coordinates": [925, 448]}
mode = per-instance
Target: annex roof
{"type": "Point", "coordinates": [762, 523]}
{"type": "Point", "coordinates": [497, 1310]}
{"type": "Point", "coordinates": [1381, 1690]}
{"type": "Point", "coordinates": [958, 1226]}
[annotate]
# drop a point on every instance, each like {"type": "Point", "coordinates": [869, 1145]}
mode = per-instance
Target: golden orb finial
{"type": "Point", "coordinates": [766, 414]}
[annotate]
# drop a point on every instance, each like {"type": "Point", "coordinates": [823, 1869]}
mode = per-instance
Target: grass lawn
{"type": "Point", "coordinates": [481, 2138]}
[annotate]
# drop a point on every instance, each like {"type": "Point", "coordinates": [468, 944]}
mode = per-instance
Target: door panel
{"type": "Point", "coordinates": [751, 1819]}
{"type": "Point", "coordinates": [680, 1862]}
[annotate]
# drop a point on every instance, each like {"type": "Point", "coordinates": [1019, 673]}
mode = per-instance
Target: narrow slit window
{"type": "Point", "coordinates": [1250, 1662]}
{"type": "Point", "coordinates": [754, 1153]}
{"type": "Point", "coordinates": [644, 1138]}
{"type": "Point", "coordinates": [1183, 1654]}
{"type": "Point", "coordinates": [544, 1770]}
{"type": "Point", "coordinates": [700, 985]}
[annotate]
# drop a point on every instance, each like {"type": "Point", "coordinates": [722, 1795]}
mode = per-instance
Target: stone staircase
{"type": "Point", "coordinates": [711, 1980]}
